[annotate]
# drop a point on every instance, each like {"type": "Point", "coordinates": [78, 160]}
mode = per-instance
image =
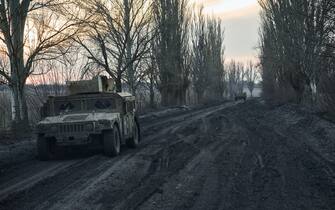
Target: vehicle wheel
{"type": "Point", "coordinates": [45, 148]}
{"type": "Point", "coordinates": [134, 141]}
{"type": "Point", "coordinates": [112, 142]}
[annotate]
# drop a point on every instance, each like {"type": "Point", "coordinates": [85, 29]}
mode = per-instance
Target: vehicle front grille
{"type": "Point", "coordinates": [71, 128]}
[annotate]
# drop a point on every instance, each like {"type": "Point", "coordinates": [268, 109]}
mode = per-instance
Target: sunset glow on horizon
{"type": "Point", "coordinates": [225, 6]}
{"type": "Point", "coordinates": [241, 22]}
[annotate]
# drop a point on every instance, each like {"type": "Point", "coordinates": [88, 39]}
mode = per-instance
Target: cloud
{"type": "Point", "coordinates": [227, 6]}
{"type": "Point", "coordinates": [241, 33]}
{"type": "Point", "coordinates": [248, 11]}
{"type": "Point", "coordinates": [241, 22]}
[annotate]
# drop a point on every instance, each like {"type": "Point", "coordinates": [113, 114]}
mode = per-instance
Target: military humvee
{"type": "Point", "coordinates": [90, 115]}
{"type": "Point", "coordinates": [241, 96]}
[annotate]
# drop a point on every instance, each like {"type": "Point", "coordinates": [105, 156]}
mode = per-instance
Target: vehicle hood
{"type": "Point", "coordinates": [82, 117]}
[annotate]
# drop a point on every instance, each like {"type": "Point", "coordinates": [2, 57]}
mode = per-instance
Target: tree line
{"type": "Point", "coordinates": [135, 42]}
{"type": "Point", "coordinates": [297, 52]}
{"type": "Point", "coordinates": [169, 47]}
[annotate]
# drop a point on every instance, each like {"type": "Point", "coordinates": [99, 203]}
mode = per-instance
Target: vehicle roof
{"type": "Point", "coordinates": [123, 95]}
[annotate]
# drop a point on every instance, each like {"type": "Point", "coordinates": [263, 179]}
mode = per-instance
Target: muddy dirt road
{"type": "Point", "coordinates": [231, 156]}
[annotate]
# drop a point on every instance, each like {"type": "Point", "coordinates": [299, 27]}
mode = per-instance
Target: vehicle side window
{"type": "Point", "coordinates": [130, 106]}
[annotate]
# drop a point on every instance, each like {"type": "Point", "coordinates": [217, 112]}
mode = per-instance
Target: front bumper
{"type": "Point", "coordinates": [71, 133]}
{"type": "Point", "coordinates": [75, 141]}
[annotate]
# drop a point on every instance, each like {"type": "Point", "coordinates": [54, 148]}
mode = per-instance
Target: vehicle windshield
{"type": "Point", "coordinates": [84, 105]}
{"type": "Point", "coordinates": [101, 104]}
{"type": "Point", "coordinates": [67, 106]}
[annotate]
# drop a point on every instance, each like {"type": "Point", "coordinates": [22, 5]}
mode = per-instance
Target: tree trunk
{"type": "Point", "coordinates": [20, 121]}
{"type": "Point", "coordinates": [182, 92]}
{"type": "Point", "coordinates": [200, 97]}
{"type": "Point", "coordinates": [169, 96]}
{"type": "Point", "coordinates": [152, 93]}
{"type": "Point", "coordinates": [129, 44]}
{"type": "Point", "coordinates": [118, 85]}
{"type": "Point", "coordinates": [165, 97]}
{"type": "Point", "coordinates": [173, 95]}
{"type": "Point", "coordinates": [19, 73]}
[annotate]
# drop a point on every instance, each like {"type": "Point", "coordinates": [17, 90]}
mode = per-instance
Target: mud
{"type": "Point", "coordinates": [229, 156]}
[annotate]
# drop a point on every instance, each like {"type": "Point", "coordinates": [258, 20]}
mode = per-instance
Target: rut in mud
{"type": "Point", "coordinates": [231, 156]}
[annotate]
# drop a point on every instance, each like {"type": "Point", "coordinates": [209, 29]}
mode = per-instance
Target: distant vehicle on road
{"type": "Point", "coordinates": [241, 96]}
{"type": "Point", "coordinates": [90, 115]}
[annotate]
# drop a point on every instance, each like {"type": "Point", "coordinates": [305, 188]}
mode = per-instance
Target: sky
{"type": "Point", "coordinates": [241, 22]}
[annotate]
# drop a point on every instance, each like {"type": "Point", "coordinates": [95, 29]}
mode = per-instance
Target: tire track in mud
{"type": "Point", "coordinates": [279, 171]}
{"type": "Point", "coordinates": [26, 182]}
{"type": "Point", "coordinates": [260, 166]}
{"type": "Point", "coordinates": [62, 187]}
{"type": "Point", "coordinates": [194, 115]}
{"type": "Point", "coordinates": [196, 186]}
{"type": "Point", "coordinates": [222, 157]}
{"type": "Point", "coordinates": [166, 163]}
{"type": "Point", "coordinates": [49, 187]}
{"type": "Point", "coordinates": [153, 153]}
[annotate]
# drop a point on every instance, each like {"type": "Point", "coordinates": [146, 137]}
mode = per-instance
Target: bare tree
{"type": "Point", "coordinates": [172, 49]}
{"type": "Point", "coordinates": [296, 39]}
{"type": "Point", "coordinates": [5, 108]}
{"type": "Point", "coordinates": [4, 67]}
{"type": "Point", "coordinates": [235, 77]}
{"type": "Point", "coordinates": [30, 31]}
{"type": "Point", "coordinates": [49, 79]}
{"type": "Point", "coordinates": [207, 56]}
{"type": "Point", "coordinates": [251, 75]}
{"type": "Point", "coordinates": [152, 76]}
{"type": "Point", "coordinates": [118, 38]}
{"type": "Point", "coordinates": [200, 77]}
{"type": "Point", "coordinates": [215, 58]}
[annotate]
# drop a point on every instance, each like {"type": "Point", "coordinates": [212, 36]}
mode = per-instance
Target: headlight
{"type": "Point", "coordinates": [54, 129]}
{"type": "Point", "coordinates": [104, 123]}
{"type": "Point", "coordinates": [89, 127]}
{"type": "Point", "coordinates": [41, 127]}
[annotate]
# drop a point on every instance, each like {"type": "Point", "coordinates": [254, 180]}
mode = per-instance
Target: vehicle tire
{"type": "Point", "coordinates": [134, 141]}
{"type": "Point", "coordinates": [112, 142]}
{"type": "Point", "coordinates": [45, 148]}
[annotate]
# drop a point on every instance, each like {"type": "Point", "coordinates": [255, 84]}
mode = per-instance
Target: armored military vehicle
{"type": "Point", "coordinates": [90, 115]}
{"type": "Point", "coordinates": [241, 96]}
